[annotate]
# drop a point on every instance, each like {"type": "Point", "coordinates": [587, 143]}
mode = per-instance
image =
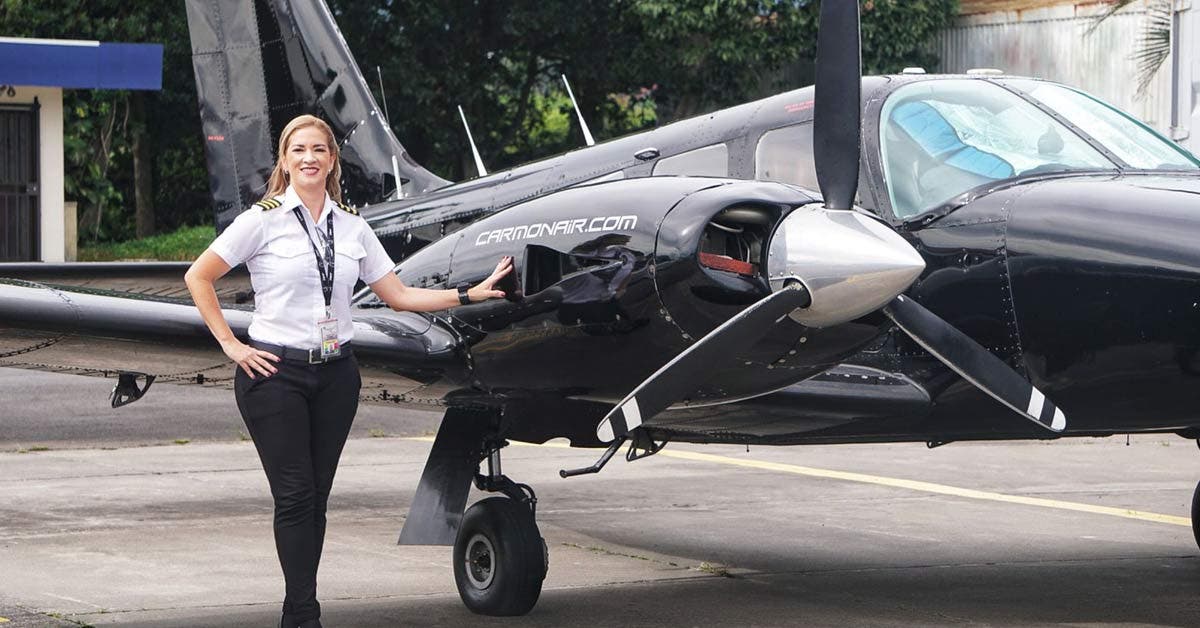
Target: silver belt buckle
{"type": "Point", "coordinates": [318, 359]}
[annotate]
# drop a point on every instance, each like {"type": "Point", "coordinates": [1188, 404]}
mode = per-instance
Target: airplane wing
{"type": "Point", "coordinates": [105, 333]}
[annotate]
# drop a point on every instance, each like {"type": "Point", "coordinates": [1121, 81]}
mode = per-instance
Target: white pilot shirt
{"type": "Point", "coordinates": [288, 300]}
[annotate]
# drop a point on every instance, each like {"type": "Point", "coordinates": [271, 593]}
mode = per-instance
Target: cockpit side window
{"type": "Point", "coordinates": [786, 155]}
{"type": "Point", "coordinates": [941, 138]}
{"type": "Point", "coordinates": [710, 161]}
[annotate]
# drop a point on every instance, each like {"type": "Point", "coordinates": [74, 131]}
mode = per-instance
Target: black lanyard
{"type": "Point", "coordinates": [324, 269]}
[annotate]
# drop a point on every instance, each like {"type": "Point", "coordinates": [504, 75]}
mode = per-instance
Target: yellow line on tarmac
{"type": "Point", "coordinates": [930, 487]}
{"type": "Point", "coordinates": [913, 485]}
{"type": "Point", "coordinates": [4, 620]}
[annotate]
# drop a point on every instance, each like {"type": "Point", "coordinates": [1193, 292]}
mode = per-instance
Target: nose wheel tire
{"type": "Point", "coordinates": [499, 558]}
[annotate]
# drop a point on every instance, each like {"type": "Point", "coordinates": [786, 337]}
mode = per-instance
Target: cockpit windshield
{"type": "Point", "coordinates": [1130, 140]}
{"type": "Point", "coordinates": [942, 138]}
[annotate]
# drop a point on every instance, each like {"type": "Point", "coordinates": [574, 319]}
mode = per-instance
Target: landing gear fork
{"type": "Point", "coordinates": [496, 482]}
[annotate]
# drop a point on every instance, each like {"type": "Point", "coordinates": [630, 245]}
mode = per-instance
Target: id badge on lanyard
{"type": "Point", "coordinates": [328, 330]}
{"type": "Point", "coordinates": [327, 327]}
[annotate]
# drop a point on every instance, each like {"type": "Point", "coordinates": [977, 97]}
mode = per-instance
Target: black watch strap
{"type": "Point", "coordinates": [463, 297]}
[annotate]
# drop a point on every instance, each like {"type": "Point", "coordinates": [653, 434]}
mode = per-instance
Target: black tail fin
{"type": "Point", "coordinates": [260, 63]}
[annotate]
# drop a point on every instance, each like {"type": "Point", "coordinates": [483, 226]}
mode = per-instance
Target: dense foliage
{"type": "Point", "coordinates": [632, 64]}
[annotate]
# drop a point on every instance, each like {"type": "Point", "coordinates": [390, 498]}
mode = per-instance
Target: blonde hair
{"type": "Point", "coordinates": [278, 181]}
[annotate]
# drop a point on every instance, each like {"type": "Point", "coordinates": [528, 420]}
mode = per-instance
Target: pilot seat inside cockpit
{"type": "Point", "coordinates": [928, 163]}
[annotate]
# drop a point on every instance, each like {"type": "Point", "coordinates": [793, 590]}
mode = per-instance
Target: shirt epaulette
{"type": "Point", "coordinates": [348, 209]}
{"type": "Point", "coordinates": [268, 203]}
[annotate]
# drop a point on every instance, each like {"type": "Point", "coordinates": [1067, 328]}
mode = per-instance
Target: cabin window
{"type": "Point", "coordinates": [710, 161]}
{"type": "Point", "coordinates": [786, 155]}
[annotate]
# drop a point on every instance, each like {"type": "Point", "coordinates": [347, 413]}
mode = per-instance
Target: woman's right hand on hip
{"type": "Point", "coordinates": [250, 359]}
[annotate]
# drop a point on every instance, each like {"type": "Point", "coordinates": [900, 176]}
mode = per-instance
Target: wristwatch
{"type": "Point", "coordinates": [463, 297]}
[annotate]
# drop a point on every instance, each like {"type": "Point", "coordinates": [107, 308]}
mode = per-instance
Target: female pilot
{"type": "Point", "coordinates": [297, 381]}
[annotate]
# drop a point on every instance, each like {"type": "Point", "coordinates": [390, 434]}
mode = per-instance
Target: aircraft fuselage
{"type": "Point", "coordinates": [1086, 282]}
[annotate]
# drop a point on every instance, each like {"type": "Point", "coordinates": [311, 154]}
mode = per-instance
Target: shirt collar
{"type": "Point", "coordinates": [291, 199]}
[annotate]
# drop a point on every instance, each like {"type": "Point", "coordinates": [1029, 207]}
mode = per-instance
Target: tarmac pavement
{"type": "Point", "coordinates": [130, 529]}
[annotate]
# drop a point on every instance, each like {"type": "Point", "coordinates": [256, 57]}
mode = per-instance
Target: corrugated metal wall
{"type": "Point", "coordinates": [1051, 43]}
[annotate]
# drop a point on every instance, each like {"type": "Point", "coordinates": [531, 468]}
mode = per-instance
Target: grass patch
{"type": "Point", "coordinates": [715, 570]}
{"type": "Point", "coordinates": [182, 441]}
{"type": "Point", "coordinates": [607, 552]}
{"type": "Point", "coordinates": [375, 432]}
{"type": "Point", "coordinates": [182, 245]}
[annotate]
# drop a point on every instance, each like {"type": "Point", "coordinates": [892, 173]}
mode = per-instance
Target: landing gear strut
{"type": "Point", "coordinates": [500, 558]}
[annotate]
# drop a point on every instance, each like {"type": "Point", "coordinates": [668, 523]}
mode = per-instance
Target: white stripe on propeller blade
{"type": "Point", "coordinates": [1036, 401]}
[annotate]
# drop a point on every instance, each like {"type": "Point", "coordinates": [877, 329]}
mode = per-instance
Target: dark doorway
{"type": "Point", "coordinates": [19, 184]}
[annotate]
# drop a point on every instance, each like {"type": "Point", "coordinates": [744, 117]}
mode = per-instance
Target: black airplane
{"type": "Point", "coordinates": [1019, 264]}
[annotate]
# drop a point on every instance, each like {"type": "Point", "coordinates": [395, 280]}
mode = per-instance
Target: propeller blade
{"type": "Point", "coordinates": [974, 363]}
{"type": "Point", "coordinates": [684, 374]}
{"type": "Point", "coordinates": [837, 110]}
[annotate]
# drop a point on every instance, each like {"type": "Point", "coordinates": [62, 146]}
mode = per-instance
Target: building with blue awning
{"type": "Point", "coordinates": [34, 224]}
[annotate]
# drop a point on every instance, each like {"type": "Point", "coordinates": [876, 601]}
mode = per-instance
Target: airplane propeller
{"type": "Point", "coordinates": [679, 376]}
{"type": "Point", "coordinates": [837, 137]}
{"type": "Point", "coordinates": [820, 286]}
{"type": "Point", "coordinates": [974, 363]}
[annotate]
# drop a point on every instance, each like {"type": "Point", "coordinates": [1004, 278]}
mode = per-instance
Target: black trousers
{"type": "Point", "coordinates": [299, 419]}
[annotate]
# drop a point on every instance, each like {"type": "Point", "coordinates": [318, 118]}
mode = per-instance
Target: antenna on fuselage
{"type": "Point", "coordinates": [396, 173]}
{"type": "Point", "coordinates": [474, 150]}
{"type": "Point", "coordinates": [387, 121]}
{"type": "Point", "coordinates": [383, 95]}
{"type": "Point", "coordinates": [587, 135]}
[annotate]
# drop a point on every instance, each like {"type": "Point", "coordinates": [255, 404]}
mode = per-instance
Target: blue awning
{"type": "Point", "coordinates": [80, 64]}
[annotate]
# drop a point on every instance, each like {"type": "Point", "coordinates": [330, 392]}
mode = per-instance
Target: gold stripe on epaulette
{"type": "Point", "coordinates": [348, 209]}
{"type": "Point", "coordinates": [268, 203]}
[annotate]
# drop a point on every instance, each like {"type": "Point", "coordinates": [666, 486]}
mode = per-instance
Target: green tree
{"type": "Point", "coordinates": [632, 63]}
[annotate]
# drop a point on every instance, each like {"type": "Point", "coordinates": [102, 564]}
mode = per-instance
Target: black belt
{"type": "Point", "coordinates": [308, 356]}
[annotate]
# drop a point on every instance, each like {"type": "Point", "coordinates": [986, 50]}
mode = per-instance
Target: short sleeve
{"type": "Point", "coordinates": [377, 263]}
{"type": "Point", "coordinates": [240, 240]}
